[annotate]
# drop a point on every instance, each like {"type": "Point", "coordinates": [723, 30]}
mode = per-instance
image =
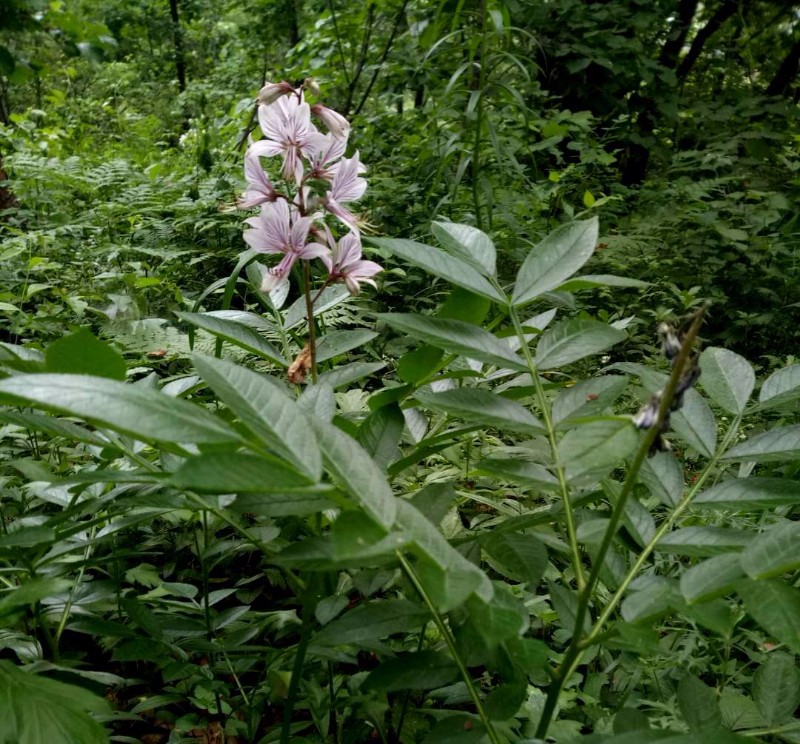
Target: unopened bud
{"type": "Point", "coordinates": [337, 125]}
{"type": "Point", "coordinates": [271, 92]}
{"type": "Point", "coordinates": [310, 84]}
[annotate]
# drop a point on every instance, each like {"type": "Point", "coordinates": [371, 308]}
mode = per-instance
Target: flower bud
{"type": "Point", "coordinates": [271, 92]}
{"type": "Point", "coordinates": [337, 125]}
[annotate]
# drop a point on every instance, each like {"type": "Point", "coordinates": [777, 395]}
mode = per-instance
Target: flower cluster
{"type": "Point", "coordinates": [316, 181]}
{"type": "Point", "coordinates": [647, 416]}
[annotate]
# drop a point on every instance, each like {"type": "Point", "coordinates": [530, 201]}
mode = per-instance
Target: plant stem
{"type": "Point", "coordinates": [309, 601]}
{"type": "Point", "coordinates": [312, 340]}
{"type": "Point", "coordinates": [476, 149]}
{"type": "Point", "coordinates": [404, 707]}
{"type": "Point", "coordinates": [665, 527]}
{"type": "Point", "coordinates": [577, 644]}
{"type": "Point", "coordinates": [451, 645]}
{"type": "Point", "coordinates": [569, 515]}
{"type": "Point", "coordinates": [334, 725]}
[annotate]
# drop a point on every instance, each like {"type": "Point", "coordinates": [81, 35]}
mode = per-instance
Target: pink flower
{"type": "Point", "coordinates": [337, 125]}
{"type": "Point", "coordinates": [259, 189]}
{"type": "Point", "coordinates": [324, 161]}
{"type": "Point", "coordinates": [280, 229]}
{"type": "Point", "coordinates": [271, 92]}
{"type": "Point", "coordinates": [288, 131]}
{"type": "Point", "coordinates": [346, 187]}
{"type": "Point", "coordinates": [344, 262]}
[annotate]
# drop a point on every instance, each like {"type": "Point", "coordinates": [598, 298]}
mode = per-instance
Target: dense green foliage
{"type": "Point", "coordinates": [460, 529]}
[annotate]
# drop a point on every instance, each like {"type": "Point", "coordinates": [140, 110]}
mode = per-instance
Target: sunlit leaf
{"type": "Point", "coordinates": [555, 259]}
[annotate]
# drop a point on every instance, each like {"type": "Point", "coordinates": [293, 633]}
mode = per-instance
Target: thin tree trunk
{"type": "Point", "coordinates": [782, 81]}
{"type": "Point", "coordinates": [677, 35]}
{"type": "Point", "coordinates": [294, 22]}
{"type": "Point", "coordinates": [725, 11]}
{"type": "Point", "coordinates": [177, 38]}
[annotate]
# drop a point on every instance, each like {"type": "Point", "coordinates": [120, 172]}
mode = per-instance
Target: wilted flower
{"type": "Point", "coordinates": [670, 343]}
{"type": "Point", "coordinates": [344, 262]}
{"type": "Point", "coordinates": [647, 416]}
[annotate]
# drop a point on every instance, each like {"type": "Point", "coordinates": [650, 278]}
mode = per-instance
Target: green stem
{"type": "Point", "coordinates": [404, 707]}
{"type": "Point", "coordinates": [70, 601]}
{"type": "Point", "coordinates": [662, 530]}
{"type": "Point", "coordinates": [309, 601]}
{"type": "Point", "coordinates": [578, 644]}
{"type": "Point", "coordinates": [451, 645]}
{"type": "Point", "coordinates": [569, 514]}
{"type": "Point", "coordinates": [334, 726]}
{"type": "Point", "coordinates": [476, 150]}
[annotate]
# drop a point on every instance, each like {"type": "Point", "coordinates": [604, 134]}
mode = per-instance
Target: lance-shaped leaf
{"type": "Point", "coordinates": [663, 476]}
{"type": "Point", "coordinates": [776, 688]}
{"type": "Point", "coordinates": [372, 621]}
{"type": "Point", "coordinates": [380, 433]}
{"type": "Point", "coordinates": [728, 378]}
{"type": "Point", "coordinates": [233, 472]}
{"type": "Point", "coordinates": [700, 707]}
{"type": "Point", "coordinates": [696, 424]}
{"type": "Point", "coordinates": [773, 552]}
{"type": "Point", "coordinates": [703, 541]}
{"type": "Point", "coordinates": [456, 270]}
{"type": "Point", "coordinates": [780, 443]}
{"type": "Point", "coordinates": [140, 412]}
{"type": "Point", "coordinates": [575, 339]}
{"type": "Point", "coordinates": [423, 670]}
{"type": "Point", "coordinates": [346, 374]}
{"type": "Point", "coordinates": [490, 409]}
{"type": "Point", "coordinates": [749, 493]}
{"type": "Point", "coordinates": [264, 406]}
{"type": "Point", "coordinates": [775, 607]}
{"type": "Point", "coordinates": [446, 574]}
{"type": "Point", "coordinates": [555, 260]}
{"type": "Point", "coordinates": [780, 388]}
{"type": "Point", "coordinates": [457, 337]}
{"type": "Point", "coordinates": [469, 243]}
{"type": "Point", "coordinates": [587, 398]}
{"type": "Point", "coordinates": [521, 472]}
{"type": "Point", "coordinates": [591, 450]}
{"type": "Point", "coordinates": [338, 342]}
{"type": "Point", "coordinates": [350, 464]}
{"type": "Point", "coordinates": [713, 577]}
{"type": "Point", "coordinates": [236, 333]}
{"type": "Point", "coordinates": [519, 557]}
{"type": "Point", "coordinates": [590, 281]}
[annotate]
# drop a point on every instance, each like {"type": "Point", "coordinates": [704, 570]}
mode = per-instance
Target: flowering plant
{"type": "Point", "coordinates": [316, 181]}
